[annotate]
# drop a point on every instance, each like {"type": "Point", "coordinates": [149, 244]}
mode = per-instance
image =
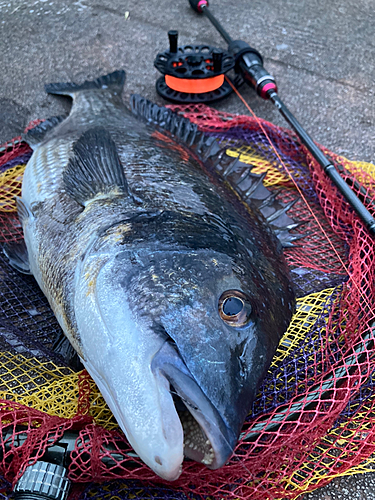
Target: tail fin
{"type": "Point", "coordinates": [114, 81]}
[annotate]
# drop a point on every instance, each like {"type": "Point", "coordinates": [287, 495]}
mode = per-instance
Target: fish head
{"type": "Point", "coordinates": [177, 338]}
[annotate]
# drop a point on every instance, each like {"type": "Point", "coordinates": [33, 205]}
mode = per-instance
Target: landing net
{"type": "Point", "coordinates": [314, 417]}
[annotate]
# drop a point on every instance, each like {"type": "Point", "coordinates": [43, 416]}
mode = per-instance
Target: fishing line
{"type": "Point", "coordinates": [249, 69]}
{"type": "Point", "coordinates": [190, 71]}
{"type": "Point", "coordinates": [180, 67]}
{"type": "Point", "coordinates": [300, 193]}
{"type": "Point", "coordinates": [350, 362]}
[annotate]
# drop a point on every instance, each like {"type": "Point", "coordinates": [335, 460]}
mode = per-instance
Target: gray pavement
{"type": "Point", "coordinates": [321, 52]}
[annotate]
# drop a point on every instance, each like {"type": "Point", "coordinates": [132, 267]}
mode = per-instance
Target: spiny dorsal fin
{"type": "Point", "coordinates": [276, 216]}
{"type": "Point", "coordinates": [252, 190]}
{"type": "Point", "coordinates": [247, 184]}
{"type": "Point", "coordinates": [114, 82]}
{"type": "Point", "coordinates": [287, 238]}
{"type": "Point", "coordinates": [165, 118]}
{"type": "Point", "coordinates": [94, 168]}
{"type": "Point", "coordinates": [37, 134]}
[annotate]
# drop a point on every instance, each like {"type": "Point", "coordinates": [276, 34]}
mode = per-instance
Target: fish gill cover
{"type": "Point", "coordinates": [313, 418]}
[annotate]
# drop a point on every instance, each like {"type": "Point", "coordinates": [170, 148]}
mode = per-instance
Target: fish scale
{"type": "Point", "coordinates": [138, 242]}
{"type": "Point", "coordinates": [43, 175]}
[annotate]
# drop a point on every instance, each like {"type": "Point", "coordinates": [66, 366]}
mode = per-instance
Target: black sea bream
{"type": "Point", "coordinates": [173, 291]}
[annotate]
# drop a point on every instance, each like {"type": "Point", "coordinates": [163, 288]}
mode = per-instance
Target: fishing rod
{"type": "Point", "coordinates": [249, 64]}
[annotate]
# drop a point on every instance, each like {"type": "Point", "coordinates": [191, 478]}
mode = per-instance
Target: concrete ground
{"type": "Point", "coordinates": [321, 52]}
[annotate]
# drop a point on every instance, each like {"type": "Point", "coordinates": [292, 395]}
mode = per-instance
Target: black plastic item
{"type": "Point", "coordinates": [192, 62]}
{"type": "Point", "coordinates": [42, 480]}
{"type": "Point", "coordinates": [47, 478]}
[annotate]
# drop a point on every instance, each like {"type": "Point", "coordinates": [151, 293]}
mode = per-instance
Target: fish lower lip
{"type": "Point", "coordinates": [206, 437]}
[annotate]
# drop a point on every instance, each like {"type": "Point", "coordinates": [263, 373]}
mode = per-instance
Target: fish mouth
{"type": "Point", "coordinates": [207, 439]}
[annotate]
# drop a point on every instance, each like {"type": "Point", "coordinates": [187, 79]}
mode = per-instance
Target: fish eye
{"type": "Point", "coordinates": [234, 308]}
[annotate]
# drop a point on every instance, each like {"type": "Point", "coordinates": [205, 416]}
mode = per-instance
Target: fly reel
{"type": "Point", "coordinates": [193, 73]}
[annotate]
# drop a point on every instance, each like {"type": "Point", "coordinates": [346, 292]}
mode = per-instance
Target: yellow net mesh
{"type": "Point", "coordinates": [273, 178]}
{"type": "Point", "coordinates": [10, 186]}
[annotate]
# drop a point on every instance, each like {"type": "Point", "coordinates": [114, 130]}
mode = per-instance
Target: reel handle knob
{"type": "Point", "coordinates": [173, 41]}
{"type": "Point", "coordinates": [217, 58]}
{"type": "Point", "coordinates": [198, 4]}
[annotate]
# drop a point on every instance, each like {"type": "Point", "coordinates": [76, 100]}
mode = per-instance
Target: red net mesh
{"type": "Point", "coordinates": [14, 155]}
{"type": "Point", "coordinates": [313, 418]}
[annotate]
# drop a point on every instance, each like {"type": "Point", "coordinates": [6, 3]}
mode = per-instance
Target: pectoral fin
{"type": "Point", "coordinates": [16, 252]}
{"type": "Point", "coordinates": [95, 168]}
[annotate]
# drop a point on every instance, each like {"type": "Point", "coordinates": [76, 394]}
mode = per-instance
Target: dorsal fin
{"type": "Point", "coordinates": [165, 118]}
{"type": "Point", "coordinates": [95, 168]}
{"type": "Point", "coordinates": [37, 134]}
{"type": "Point", "coordinates": [239, 175]}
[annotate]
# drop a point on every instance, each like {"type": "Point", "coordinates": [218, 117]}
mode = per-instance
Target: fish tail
{"type": "Point", "coordinates": [113, 81]}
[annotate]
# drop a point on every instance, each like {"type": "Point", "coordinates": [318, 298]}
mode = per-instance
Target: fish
{"type": "Point", "coordinates": [162, 260]}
